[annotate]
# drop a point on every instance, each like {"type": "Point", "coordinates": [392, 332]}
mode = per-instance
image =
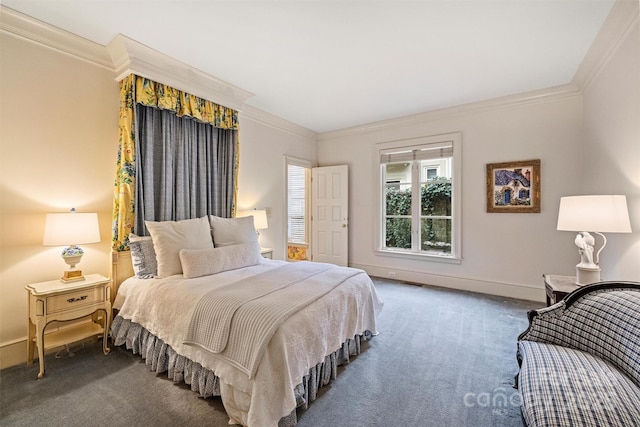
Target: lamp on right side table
{"type": "Point", "coordinates": [592, 214]}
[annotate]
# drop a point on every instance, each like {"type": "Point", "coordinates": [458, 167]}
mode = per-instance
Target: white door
{"type": "Point", "coordinates": [330, 214]}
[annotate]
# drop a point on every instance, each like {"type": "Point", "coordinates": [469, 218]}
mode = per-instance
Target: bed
{"type": "Point", "coordinates": [262, 334]}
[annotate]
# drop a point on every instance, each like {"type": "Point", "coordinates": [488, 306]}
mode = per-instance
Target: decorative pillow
{"type": "Point", "coordinates": [203, 262]}
{"type": "Point", "coordinates": [143, 256]}
{"type": "Point", "coordinates": [232, 231]}
{"type": "Point", "coordinates": [171, 236]}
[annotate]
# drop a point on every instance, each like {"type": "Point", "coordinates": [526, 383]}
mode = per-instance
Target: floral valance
{"type": "Point", "coordinates": [153, 94]}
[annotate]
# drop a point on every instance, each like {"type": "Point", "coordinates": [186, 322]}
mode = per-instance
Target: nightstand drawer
{"type": "Point", "coordinates": [72, 300]}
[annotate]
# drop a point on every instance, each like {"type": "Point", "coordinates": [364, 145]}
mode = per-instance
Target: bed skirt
{"type": "Point", "coordinates": [162, 358]}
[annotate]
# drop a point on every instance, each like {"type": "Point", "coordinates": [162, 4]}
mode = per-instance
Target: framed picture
{"type": "Point", "coordinates": [513, 187]}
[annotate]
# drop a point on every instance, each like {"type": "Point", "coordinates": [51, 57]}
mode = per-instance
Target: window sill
{"type": "Point", "coordinates": [417, 256]}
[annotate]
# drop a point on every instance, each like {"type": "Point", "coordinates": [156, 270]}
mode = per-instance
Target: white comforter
{"type": "Point", "coordinates": [164, 307]}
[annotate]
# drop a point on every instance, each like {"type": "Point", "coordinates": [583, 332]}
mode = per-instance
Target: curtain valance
{"type": "Point", "coordinates": [153, 94]}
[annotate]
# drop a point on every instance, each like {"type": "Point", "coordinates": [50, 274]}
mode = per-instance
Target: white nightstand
{"type": "Point", "coordinates": [58, 301]}
{"type": "Point", "coordinates": [266, 252]}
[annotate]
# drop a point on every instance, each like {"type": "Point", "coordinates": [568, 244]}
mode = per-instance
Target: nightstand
{"type": "Point", "coordinates": [56, 301]}
{"type": "Point", "coordinates": [266, 252]}
{"type": "Point", "coordinates": [557, 287]}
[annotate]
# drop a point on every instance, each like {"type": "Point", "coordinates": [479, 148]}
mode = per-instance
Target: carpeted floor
{"type": "Point", "coordinates": [443, 357]}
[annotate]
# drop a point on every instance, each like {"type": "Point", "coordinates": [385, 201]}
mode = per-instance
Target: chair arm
{"type": "Point", "coordinates": [601, 319]}
{"type": "Point", "coordinates": [539, 325]}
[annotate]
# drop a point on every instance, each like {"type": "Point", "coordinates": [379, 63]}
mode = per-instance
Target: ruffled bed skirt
{"type": "Point", "coordinates": [162, 358]}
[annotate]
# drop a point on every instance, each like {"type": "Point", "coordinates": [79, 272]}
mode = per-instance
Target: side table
{"type": "Point", "coordinates": [58, 301]}
{"type": "Point", "coordinates": [557, 287]}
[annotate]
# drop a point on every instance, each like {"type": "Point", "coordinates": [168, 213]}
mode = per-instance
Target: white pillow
{"type": "Point", "coordinates": [232, 231]}
{"type": "Point", "coordinates": [171, 236]}
{"type": "Point", "coordinates": [203, 262]}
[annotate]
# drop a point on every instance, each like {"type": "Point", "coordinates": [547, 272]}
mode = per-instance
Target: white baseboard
{"type": "Point", "coordinates": [525, 292]}
{"type": "Point", "coordinates": [14, 353]}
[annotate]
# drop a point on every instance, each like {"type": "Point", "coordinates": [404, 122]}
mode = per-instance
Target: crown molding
{"type": "Point", "coordinates": [123, 56]}
{"type": "Point", "coordinates": [132, 57]}
{"type": "Point", "coordinates": [511, 101]}
{"type": "Point", "coordinates": [616, 27]}
{"type": "Point", "coordinates": [18, 25]}
{"type": "Point", "coordinates": [259, 116]}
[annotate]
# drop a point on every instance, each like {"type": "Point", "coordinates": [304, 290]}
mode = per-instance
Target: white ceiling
{"type": "Point", "coordinates": [331, 64]}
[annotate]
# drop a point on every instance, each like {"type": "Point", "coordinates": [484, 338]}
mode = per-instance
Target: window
{"type": "Point", "coordinates": [431, 171]}
{"type": "Point", "coordinates": [297, 189]}
{"type": "Point", "coordinates": [419, 197]}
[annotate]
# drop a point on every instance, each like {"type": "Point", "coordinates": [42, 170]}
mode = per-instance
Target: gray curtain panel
{"type": "Point", "coordinates": [184, 168]}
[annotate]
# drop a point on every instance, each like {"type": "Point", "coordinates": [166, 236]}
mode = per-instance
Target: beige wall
{"type": "Point", "coordinates": [587, 137]}
{"type": "Point", "coordinates": [261, 178]}
{"type": "Point", "coordinates": [504, 254]}
{"type": "Point", "coordinates": [611, 150]}
{"type": "Point", "coordinates": [58, 142]}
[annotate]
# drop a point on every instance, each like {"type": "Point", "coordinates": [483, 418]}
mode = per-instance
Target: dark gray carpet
{"type": "Point", "coordinates": [443, 357]}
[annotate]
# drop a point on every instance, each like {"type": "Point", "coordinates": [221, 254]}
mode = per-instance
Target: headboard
{"type": "Point", "coordinates": [121, 269]}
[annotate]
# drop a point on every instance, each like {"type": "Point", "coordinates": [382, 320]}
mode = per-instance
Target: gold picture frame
{"type": "Point", "coordinates": [513, 187]}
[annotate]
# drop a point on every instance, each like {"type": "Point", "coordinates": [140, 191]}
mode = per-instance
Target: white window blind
{"type": "Point", "coordinates": [433, 151]}
{"type": "Point", "coordinates": [296, 188]}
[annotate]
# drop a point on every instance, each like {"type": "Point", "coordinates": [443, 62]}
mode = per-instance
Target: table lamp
{"type": "Point", "coordinates": [71, 228]}
{"type": "Point", "coordinates": [259, 218]}
{"type": "Point", "coordinates": [596, 214]}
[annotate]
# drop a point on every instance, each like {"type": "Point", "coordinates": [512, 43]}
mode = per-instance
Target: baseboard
{"type": "Point", "coordinates": [14, 353]}
{"type": "Point", "coordinates": [525, 292]}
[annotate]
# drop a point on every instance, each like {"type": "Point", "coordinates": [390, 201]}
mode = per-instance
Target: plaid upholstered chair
{"type": "Point", "coordinates": [580, 359]}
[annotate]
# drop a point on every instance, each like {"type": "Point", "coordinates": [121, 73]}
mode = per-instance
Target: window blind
{"type": "Point", "coordinates": [296, 184]}
{"type": "Point", "coordinates": [407, 154]}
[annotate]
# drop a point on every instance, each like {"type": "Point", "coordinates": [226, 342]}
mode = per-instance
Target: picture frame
{"type": "Point", "coordinates": [513, 187]}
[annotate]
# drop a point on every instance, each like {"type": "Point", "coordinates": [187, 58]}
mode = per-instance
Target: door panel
{"type": "Point", "coordinates": [330, 214]}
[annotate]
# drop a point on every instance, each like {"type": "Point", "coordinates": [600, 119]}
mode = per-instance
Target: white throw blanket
{"type": "Point", "coordinates": [164, 307]}
{"type": "Point", "coordinates": [239, 320]}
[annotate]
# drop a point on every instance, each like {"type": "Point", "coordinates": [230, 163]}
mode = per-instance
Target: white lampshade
{"type": "Point", "coordinates": [259, 217]}
{"type": "Point", "coordinates": [604, 214]}
{"type": "Point", "coordinates": [71, 228]}
{"type": "Point", "coordinates": [597, 214]}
